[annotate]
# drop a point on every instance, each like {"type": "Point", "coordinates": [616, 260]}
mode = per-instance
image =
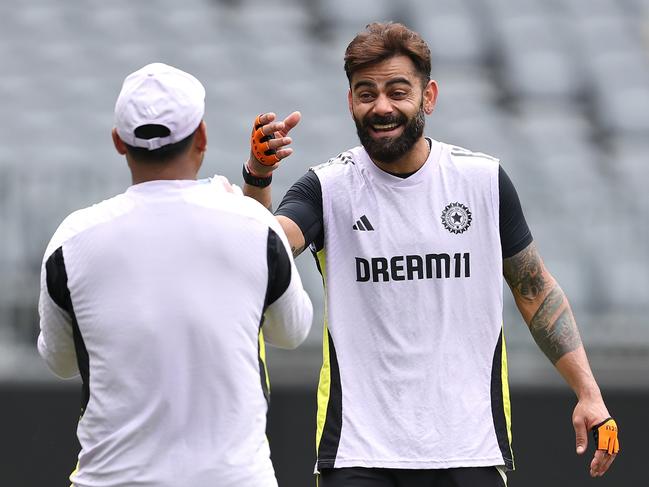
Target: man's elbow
{"type": "Point", "coordinates": [298, 338]}
{"type": "Point", "coordinates": [290, 333]}
{"type": "Point", "coordinates": [63, 367]}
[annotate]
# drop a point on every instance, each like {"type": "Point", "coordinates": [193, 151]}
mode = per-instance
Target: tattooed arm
{"type": "Point", "coordinates": [546, 310]}
{"type": "Point", "coordinates": [294, 234]}
{"type": "Point", "coordinates": [542, 303]}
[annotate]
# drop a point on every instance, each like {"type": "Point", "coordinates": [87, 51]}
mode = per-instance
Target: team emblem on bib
{"type": "Point", "coordinates": [456, 217]}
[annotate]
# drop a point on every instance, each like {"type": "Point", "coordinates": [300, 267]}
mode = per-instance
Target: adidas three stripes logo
{"type": "Point", "coordinates": [363, 224]}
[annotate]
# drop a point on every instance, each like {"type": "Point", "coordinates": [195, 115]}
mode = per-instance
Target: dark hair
{"type": "Point", "coordinates": [381, 41]}
{"type": "Point", "coordinates": [162, 154]}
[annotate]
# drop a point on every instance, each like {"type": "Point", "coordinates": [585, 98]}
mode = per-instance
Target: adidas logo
{"type": "Point", "coordinates": [364, 225]}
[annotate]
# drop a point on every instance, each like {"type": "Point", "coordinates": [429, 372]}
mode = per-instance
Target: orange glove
{"type": "Point", "coordinates": [605, 434]}
{"type": "Point", "coordinates": [259, 145]}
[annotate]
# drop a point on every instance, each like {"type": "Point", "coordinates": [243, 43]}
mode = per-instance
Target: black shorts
{"type": "Point", "coordinates": [394, 477]}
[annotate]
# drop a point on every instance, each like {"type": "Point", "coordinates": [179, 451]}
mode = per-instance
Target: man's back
{"type": "Point", "coordinates": [167, 285]}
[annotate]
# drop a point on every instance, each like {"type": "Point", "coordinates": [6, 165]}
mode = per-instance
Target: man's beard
{"type": "Point", "coordinates": [388, 150]}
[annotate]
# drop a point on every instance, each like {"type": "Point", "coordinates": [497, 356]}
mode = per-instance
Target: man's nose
{"type": "Point", "coordinates": [383, 105]}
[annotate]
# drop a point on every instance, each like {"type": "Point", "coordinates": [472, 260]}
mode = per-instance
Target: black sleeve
{"type": "Point", "coordinates": [57, 281]}
{"type": "Point", "coordinates": [57, 287]}
{"type": "Point", "coordinates": [279, 268]}
{"type": "Point", "coordinates": [515, 235]}
{"type": "Point", "coordinates": [303, 204]}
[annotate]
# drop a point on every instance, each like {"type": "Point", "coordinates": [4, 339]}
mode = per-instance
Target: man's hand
{"type": "Point", "coordinates": [268, 142]}
{"type": "Point", "coordinates": [547, 312]}
{"type": "Point", "coordinates": [590, 413]}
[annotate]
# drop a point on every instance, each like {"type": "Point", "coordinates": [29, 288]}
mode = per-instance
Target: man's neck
{"type": "Point", "coordinates": [410, 162]}
{"type": "Point", "coordinates": [145, 172]}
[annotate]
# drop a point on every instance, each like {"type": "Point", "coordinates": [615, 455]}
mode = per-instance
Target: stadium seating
{"type": "Point", "coordinates": [558, 89]}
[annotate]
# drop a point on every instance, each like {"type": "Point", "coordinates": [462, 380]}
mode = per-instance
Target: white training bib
{"type": "Point", "coordinates": [165, 289]}
{"type": "Point", "coordinates": [414, 372]}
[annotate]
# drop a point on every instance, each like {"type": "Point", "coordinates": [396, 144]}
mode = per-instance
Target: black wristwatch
{"type": "Point", "coordinates": [257, 181]}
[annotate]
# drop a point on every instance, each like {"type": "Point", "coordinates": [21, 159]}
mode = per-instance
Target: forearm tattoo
{"type": "Point", "coordinates": [296, 250]}
{"type": "Point", "coordinates": [524, 273]}
{"type": "Point", "coordinates": [553, 324]}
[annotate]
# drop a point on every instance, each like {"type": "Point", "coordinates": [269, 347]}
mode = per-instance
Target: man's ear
{"type": "Point", "coordinates": [349, 102]}
{"type": "Point", "coordinates": [430, 96]}
{"type": "Point", "coordinates": [119, 144]}
{"type": "Point", "coordinates": [200, 139]}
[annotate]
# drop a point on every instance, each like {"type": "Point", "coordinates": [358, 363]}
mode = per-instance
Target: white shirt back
{"type": "Point", "coordinates": [168, 284]}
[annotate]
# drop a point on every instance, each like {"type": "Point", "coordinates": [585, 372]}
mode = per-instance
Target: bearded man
{"type": "Point", "coordinates": [413, 237]}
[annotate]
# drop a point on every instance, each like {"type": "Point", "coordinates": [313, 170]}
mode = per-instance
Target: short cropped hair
{"type": "Point", "coordinates": [162, 154]}
{"type": "Point", "coordinates": [381, 41]}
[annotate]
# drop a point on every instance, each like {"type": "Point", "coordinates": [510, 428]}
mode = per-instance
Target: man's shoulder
{"type": "Point", "coordinates": [468, 156]}
{"type": "Point", "coordinates": [253, 211]}
{"type": "Point", "coordinates": [251, 208]}
{"type": "Point", "coordinates": [471, 163]}
{"type": "Point", "coordinates": [343, 161]}
{"type": "Point", "coordinates": [85, 218]}
{"type": "Point", "coordinates": [220, 195]}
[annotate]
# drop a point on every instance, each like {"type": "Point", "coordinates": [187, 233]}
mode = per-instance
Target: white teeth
{"type": "Point", "coordinates": [388, 126]}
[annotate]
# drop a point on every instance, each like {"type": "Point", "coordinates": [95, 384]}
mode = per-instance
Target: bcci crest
{"type": "Point", "coordinates": [456, 217]}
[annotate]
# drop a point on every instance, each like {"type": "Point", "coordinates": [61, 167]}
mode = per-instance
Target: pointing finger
{"type": "Point", "coordinates": [291, 121]}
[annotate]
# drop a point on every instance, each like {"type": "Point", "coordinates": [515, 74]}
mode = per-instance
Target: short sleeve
{"type": "Point", "coordinates": [303, 204]}
{"type": "Point", "coordinates": [515, 235]}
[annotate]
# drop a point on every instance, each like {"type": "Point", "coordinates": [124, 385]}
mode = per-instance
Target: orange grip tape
{"type": "Point", "coordinates": [260, 147]}
{"type": "Point", "coordinates": [605, 434]}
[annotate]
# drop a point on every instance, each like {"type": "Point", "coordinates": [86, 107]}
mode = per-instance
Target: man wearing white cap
{"type": "Point", "coordinates": [157, 298]}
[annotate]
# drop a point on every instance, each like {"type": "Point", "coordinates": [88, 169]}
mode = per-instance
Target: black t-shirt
{"type": "Point", "coordinates": [303, 204]}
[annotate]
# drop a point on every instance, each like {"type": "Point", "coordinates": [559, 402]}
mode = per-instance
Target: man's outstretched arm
{"type": "Point", "coordinates": [546, 310]}
{"type": "Point", "coordinates": [261, 190]}
{"type": "Point", "coordinates": [272, 136]}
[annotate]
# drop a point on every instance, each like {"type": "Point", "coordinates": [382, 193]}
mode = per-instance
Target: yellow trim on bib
{"type": "Point", "coordinates": [76, 469]}
{"type": "Point", "coordinates": [325, 372]}
{"type": "Point", "coordinates": [262, 357]}
{"type": "Point", "coordinates": [507, 406]}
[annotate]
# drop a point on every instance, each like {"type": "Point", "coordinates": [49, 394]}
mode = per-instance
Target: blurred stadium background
{"type": "Point", "coordinates": [557, 89]}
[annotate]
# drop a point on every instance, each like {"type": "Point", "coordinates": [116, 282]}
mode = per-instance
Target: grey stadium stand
{"type": "Point", "coordinates": [529, 81]}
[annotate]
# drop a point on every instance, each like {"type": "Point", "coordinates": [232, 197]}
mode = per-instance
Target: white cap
{"type": "Point", "coordinates": [158, 94]}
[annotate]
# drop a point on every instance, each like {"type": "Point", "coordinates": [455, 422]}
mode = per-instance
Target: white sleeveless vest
{"type": "Point", "coordinates": [414, 372]}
